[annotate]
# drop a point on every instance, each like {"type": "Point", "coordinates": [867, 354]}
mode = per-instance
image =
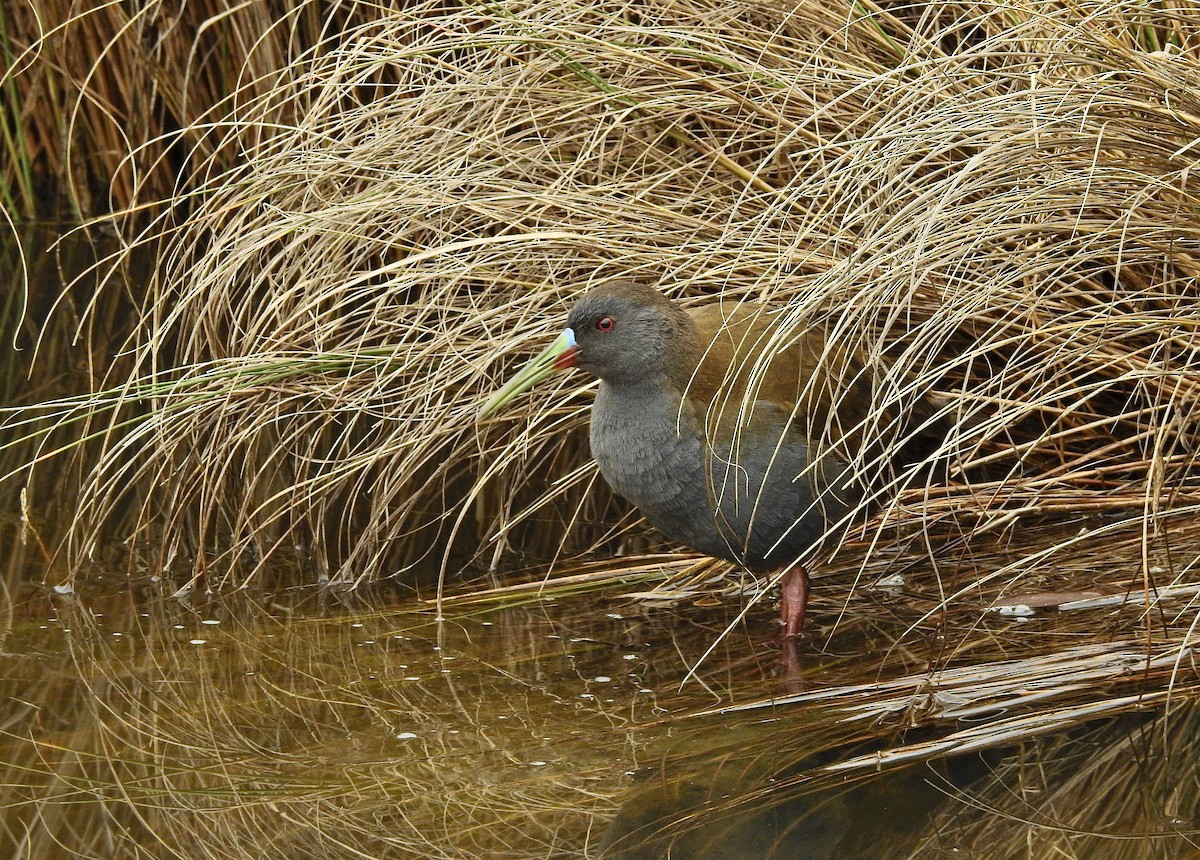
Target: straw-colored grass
{"type": "Point", "coordinates": [104, 106]}
{"type": "Point", "coordinates": [997, 200]}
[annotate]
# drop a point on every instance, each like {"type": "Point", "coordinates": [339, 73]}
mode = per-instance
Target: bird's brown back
{"type": "Point", "coordinates": [829, 390]}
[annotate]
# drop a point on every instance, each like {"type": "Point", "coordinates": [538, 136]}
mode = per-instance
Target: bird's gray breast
{"type": "Point", "coordinates": [754, 498]}
{"type": "Point", "coordinates": [653, 456]}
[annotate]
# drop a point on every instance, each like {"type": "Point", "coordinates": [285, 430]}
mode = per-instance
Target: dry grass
{"type": "Point", "coordinates": [356, 236]}
{"type": "Point", "coordinates": [998, 199]}
{"type": "Point", "coordinates": [105, 106]}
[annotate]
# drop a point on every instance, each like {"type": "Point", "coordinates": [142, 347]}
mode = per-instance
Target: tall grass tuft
{"type": "Point", "coordinates": [105, 107]}
{"type": "Point", "coordinates": [376, 218]}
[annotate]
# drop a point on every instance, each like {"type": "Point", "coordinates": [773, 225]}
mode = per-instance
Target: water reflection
{"type": "Point", "coordinates": [301, 724]}
{"type": "Point", "coordinates": [731, 808]}
{"type": "Point", "coordinates": [1123, 787]}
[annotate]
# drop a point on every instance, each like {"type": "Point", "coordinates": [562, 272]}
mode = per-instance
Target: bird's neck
{"type": "Point", "coordinates": [632, 419]}
{"type": "Point", "coordinates": [647, 385]}
{"type": "Point", "coordinates": [638, 403]}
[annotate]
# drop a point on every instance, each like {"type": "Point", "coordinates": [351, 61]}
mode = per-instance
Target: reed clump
{"type": "Point", "coordinates": [107, 106]}
{"type": "Point", "coordinates": [371, 228]}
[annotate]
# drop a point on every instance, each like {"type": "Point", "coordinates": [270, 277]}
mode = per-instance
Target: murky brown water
{"type": "Point", "coordinates": [303, 724]}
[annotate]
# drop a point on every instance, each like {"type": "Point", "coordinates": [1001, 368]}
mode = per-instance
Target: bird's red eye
{"type": "Point", "coordinates": [606, 323]}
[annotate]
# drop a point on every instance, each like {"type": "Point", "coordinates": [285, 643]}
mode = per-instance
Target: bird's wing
{"type": "Point", "coordinates": [825, 389]}
{"type": "Point", "coordinates": [830, 391]}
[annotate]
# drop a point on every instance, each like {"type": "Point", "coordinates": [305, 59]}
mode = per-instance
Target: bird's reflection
{"type": "Point", "coordinates": [730, 810]}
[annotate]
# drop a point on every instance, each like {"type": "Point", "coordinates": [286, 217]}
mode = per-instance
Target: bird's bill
{"type": "Point", "coordinates": [561, 354]}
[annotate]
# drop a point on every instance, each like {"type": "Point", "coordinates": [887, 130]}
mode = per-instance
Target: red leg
{"type": "Point", "coordinates": [793, 600]}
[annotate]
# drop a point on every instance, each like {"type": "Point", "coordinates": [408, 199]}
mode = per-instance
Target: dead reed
{"type": "Point", "coordinates": [997, 200]}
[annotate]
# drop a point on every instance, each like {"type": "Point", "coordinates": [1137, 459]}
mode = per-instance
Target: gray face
{"type": "Point", "coordinates": [624, 331]}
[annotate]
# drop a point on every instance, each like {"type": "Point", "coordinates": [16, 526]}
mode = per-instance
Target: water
{"type": "Point", "coordinates": [306, 724]}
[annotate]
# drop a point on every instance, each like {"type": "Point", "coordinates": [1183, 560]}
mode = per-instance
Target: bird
{"type": "Point", "coordinates": [730, 432]}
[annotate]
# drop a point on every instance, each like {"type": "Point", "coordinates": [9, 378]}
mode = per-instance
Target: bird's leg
{"type": "Point", "coordinates": [793, 600]}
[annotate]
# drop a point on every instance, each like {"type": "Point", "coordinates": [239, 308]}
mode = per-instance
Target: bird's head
{"type": "Point", "coordinates": [620, 331]}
